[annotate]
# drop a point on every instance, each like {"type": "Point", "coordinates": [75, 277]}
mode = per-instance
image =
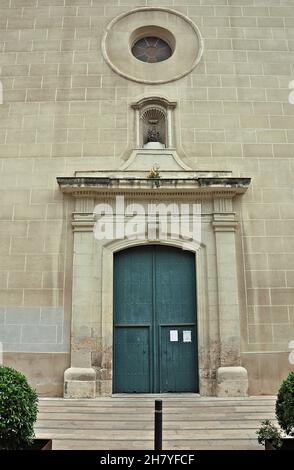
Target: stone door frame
{"type": "Point", "coordinates": [108, 252]}
{"type": "Point", "coordinates": [218, 320]}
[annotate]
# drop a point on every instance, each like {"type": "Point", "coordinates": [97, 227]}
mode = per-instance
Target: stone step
{"type": "Point", "coordinates": [166, 406]}
{"type": "Point", "coordinates": [166, 411]}
{"type": "Point", "coordinates": [143, 417]}
{"type": "Point", "coordinates": [128, 422]}
{"type": "Point", "coordinates": [129, 402]}
{"type": "Point", "coordinates": [222, 444]}
{"type": "Point", "coordinates": [113, 425]}
{"type": "Point", "coordinates": [133, 435]}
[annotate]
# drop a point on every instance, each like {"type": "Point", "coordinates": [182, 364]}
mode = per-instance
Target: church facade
{"type": "Point", "coordinates": [147, 213]}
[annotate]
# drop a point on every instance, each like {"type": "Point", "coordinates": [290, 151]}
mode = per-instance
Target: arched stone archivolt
{"type": "Point", "coordinates": [204, 357]}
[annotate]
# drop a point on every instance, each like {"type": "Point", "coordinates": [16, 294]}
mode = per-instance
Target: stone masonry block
{"type": "Point", "coordinates": [232, 382]}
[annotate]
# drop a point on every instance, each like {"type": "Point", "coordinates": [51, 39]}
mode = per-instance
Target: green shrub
{"type": "Point", "coordinates": [18, 410]}
{"type": "Point", "coordinates": [284, 415]}
{"type": "Point", "coordinates": [268, 431]}
{"type": "Point", "coordinates": [285, 405]}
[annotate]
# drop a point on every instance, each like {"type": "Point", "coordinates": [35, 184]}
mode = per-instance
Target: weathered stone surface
{"type": "Point", "coordinates": [231, 382]}
{"type": "Point", "coordinates": [45, 372]}
{"type": "Point", "coordinates": [79, 383]}
{"type": "Point", "coordinates": [34, 329]}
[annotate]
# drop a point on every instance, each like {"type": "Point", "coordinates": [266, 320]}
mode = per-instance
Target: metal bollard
{"type": "Point", "coordinates": [158, 425]}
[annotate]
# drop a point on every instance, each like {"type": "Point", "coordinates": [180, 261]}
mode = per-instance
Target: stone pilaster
{"type": "Point", "coordinates": [80, 378]}
{"type": "Point", "coordinates": [231, 378]}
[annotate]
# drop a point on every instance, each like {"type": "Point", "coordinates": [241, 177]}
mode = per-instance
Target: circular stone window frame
{"type": "Point", "coordinates": [154, 31]}
{"type": "Point", "coordinates": [182, 65]}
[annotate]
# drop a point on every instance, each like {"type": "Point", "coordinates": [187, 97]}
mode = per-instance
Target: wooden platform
{"type": "Point", "coordinates": [126, 422]}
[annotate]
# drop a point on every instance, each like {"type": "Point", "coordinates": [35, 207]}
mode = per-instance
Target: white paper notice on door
{"type": "Point", "coordinates": [173, 335]}
{"type": "Point", "coordinates": [187, 338]}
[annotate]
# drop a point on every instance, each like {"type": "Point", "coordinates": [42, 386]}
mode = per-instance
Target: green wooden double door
{"type": "Point", "coordinates": [155, 337]}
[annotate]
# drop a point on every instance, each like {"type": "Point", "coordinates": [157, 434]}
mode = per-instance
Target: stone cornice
{"type": "Point", "coordinates": [201, 187]}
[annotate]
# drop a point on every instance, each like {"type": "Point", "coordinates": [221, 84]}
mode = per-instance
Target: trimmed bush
{"type": "Point", "coordinates": [18, 410]}
{"type": "Point", "coordinates": [285, 405]}
{"type": "Point", "coordinates": [268, 431]}
{"type": "Point", "coordinates": [284, 415]}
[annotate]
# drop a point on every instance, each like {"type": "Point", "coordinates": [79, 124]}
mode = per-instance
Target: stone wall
{"type": "Point", "coordinates": [64, 110]}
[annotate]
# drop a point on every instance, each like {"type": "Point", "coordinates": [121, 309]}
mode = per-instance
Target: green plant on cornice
{"type": "Point", "coordinates": [154, 172]}
{"type": "Point", "coordinates": [154, 175]}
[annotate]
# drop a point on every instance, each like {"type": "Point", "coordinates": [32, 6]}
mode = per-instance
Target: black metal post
{"type": "Point", "coordinates": [158, 425]}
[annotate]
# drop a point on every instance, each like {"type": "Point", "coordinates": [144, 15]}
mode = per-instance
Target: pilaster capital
{"type": "Point", "coordinates": [224, 223]}
{"type": "Point", "coordinates": [82, 222]}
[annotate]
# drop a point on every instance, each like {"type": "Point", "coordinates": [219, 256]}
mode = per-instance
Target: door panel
{"type": "Point", "coordinates": [132, 360]}
{"type": "Point", "coordinates": [177, 360]}
{"type": "Point", "coordinates": [154, 292]}
{"type": "Point", "coordinates": [175, 286]}
{"type": "Point", "coordinates": [133, 302]}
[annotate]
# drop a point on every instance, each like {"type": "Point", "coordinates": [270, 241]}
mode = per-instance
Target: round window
{"type": "Point", "coordinates": [152, 35]}
{"type": "Point", "coordinates": [151, 49]}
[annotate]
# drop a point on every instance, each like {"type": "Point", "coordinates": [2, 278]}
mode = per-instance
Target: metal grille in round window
{"type": "Point", "coordinates": [151, 50]}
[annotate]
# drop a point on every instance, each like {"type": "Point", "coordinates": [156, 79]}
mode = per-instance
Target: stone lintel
{"type": "Point", "coordinates": [163, 186]}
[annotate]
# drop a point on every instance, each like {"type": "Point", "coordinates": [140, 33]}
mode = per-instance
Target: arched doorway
{"type": "Point", "coordinates": [155, 328]}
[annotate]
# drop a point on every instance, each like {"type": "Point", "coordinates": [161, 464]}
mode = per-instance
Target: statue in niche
{"type": "Point", "coordinates": [154, 129]}
{"type": "Point", "coordinates": [153, 135]}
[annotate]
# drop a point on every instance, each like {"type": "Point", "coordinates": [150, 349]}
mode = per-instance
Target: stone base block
{"type": "Point", "coordinates": [231, 382]}
{"type": "Point", "coordinates": [79, 382]}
